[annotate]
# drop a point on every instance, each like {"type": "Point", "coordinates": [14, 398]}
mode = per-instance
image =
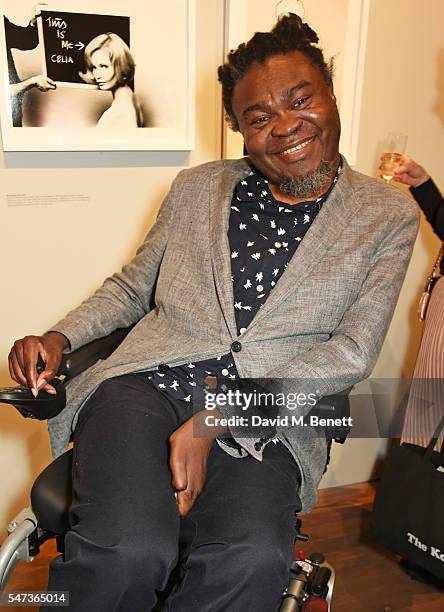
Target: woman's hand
{"type": "Point", "coordinates": [410, 173]}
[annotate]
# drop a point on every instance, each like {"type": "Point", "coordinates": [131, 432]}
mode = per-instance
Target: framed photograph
{"type": "Point", "coordinates": [97, 75]}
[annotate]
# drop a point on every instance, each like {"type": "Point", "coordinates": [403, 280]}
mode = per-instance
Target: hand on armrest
{"type": "Point", "coordinates": [24, 356]}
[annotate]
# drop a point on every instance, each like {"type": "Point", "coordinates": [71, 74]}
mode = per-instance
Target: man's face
{"type": "Point", "coordinates": [288, 117]}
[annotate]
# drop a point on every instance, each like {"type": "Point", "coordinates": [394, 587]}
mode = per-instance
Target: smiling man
{"type": "Point", "coordinates": [292, 129]}
{"type": "Point", "coordinates": [284, 265]}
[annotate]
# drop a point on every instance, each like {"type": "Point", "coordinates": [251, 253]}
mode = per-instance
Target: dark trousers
{"type": "Point", "coordinates": [127, 542]}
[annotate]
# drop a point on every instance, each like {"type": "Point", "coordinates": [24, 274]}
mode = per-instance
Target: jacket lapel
{"type": "Point", "coordinates": [221, 192]}
{"type": "Point", "coordinates": [334, 215]}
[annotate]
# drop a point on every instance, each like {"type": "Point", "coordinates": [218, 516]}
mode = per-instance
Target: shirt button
{"type": "Point", "coordinates": [259, 288]}
{"type": "Point", "coordinates": [163, 368]}
{"type": "Point", "coordinates": [225, 372]}
{"type": "Point", "coordinates": [277, 245]}
{"type": "Point", "coordinates": [236, 347]}
{"type": "Point", "coordinates": [242, 330]}
{"type": "Point", "coordinates": [258, 446]}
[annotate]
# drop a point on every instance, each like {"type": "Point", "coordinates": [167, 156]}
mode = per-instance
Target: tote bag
{"type": "Point", "coordinates": [408, 513]}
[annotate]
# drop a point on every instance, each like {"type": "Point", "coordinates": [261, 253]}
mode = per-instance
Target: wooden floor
{"type": "Point", "coordinates": [367, 578]}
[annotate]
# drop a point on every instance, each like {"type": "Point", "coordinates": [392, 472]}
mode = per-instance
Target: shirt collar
{"type": "Point", "coordinates": [254, 185]}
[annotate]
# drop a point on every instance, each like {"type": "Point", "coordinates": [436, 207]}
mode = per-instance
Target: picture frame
{"type": "Point", "coordinates": [147, 103]}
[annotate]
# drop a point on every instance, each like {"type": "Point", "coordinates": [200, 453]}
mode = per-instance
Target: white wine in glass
{"type": "Point", "coordinates": [395, 145]}
{"type": "Point", "coordinates": [389, 163]}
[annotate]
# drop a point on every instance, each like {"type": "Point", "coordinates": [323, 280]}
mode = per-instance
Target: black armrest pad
{"type": "Point", "coordinates": [51, 495]}
{"type": "Point", "coordinates": [44, 406]}
{"type": "Point", "coordinates": [84, 357]}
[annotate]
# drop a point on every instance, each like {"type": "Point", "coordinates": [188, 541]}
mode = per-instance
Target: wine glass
{"type": "Point", "coordinates": [395, 145]}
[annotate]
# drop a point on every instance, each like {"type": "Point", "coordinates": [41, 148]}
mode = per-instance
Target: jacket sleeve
{"type": "Point", "coordinates": [350, 354]}
{"type": "Point", "coordinates": [431, 201]}
{"type": "Point", "coordinates": [19, 37]}
{"type": "Point", "coordinates": [125, 297]}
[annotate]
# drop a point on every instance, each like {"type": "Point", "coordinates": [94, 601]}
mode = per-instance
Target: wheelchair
{"type": "Point", "coordinates": [311, 580]}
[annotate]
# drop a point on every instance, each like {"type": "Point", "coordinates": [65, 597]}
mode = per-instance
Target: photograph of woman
{"type": "Point", "coordinates": [84, 64]}
{"type": "Point", "coordinates": [109, 64]}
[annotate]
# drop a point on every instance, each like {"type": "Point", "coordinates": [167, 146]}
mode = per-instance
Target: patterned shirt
{"type": "Point", "coordinates": [263, 235]}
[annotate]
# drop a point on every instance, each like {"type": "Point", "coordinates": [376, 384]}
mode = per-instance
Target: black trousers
{"type": "Point", "coordinates": [128, 548]}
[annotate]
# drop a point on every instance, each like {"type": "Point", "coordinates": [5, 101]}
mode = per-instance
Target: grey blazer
{"type": "Point", "coordinates": [323, 324]}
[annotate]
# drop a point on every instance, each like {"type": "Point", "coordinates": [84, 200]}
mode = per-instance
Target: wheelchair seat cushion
{"type": "Point", "coordinates": [51, 495]}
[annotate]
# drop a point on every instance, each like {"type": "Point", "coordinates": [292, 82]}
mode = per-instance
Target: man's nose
{"type": "Point", "coordinates": [286, 124]}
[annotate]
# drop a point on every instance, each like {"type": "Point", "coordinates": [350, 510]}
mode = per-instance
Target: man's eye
{"type": "Point", "coordinates": [300, 102]}
{"type": "Point", "coordinates": [261, 119]}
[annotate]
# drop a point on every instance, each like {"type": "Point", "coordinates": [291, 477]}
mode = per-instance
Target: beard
{"type": "Point", "coordinates": [310, 184]}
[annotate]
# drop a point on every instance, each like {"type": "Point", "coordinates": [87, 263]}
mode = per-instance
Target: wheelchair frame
{"type": "Point", "coordinates": [311, 578]}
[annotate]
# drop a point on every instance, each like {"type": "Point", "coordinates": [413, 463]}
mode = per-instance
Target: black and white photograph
{"type": "Point", "coordinates": [73, 66]}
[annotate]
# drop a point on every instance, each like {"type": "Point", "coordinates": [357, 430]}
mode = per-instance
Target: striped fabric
{"type": "Point", "coordinates": [423, 415]}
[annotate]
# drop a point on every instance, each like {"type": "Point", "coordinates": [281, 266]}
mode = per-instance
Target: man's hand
{"type": "Point", "coordinates": [188, 459]}
{"type": "Point", "coordinates": [37, 12]}
{"type": "Point", "coordinates": [24, 356]}
{"type": "Point", "coordinates": [43, 83]}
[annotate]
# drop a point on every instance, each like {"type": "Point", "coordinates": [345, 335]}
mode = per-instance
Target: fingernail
{"type": "Point", "coordinates": [34, 392]}
{"type": "Point", "coordinates": [51, 391]}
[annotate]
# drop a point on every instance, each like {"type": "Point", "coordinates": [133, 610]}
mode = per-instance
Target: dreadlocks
{"type": "Point", "coordinates": [289, 34]}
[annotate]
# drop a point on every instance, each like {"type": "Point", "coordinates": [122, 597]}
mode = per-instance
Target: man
{"type": "Point", "coordinates": [283, 265]}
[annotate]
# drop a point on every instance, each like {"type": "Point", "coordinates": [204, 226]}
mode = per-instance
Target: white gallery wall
{"type": "Point", "coordinates": [53, 256]}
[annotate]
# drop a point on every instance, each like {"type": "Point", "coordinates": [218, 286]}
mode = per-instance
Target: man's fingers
{"type": "Point", "coordinates": [30, 356]}
{"type": "Point", "coordinates": [185, 500]}
{"type": "Point", "coordinates": [196, 480]}
{"type": "Point", "coordinates": [24, 357]}
{"type": "Point", "coordinates": [51, 366]}
{"type": "Point", "coordinates": [49, 389]}
{"type": "Point", "coordinates": [15, 369]}
{"type": "Point", "coordinates": [178, 471]}
{"type": "Point", "coordinates": [188, 463]}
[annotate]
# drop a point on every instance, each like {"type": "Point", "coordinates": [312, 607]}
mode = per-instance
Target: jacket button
{"type": "Point", "coordinates": [258, 446]}
{"type": "Point", "coordinates": [236, 347]}
{"type": "Point", "coordinates": [163, 368]}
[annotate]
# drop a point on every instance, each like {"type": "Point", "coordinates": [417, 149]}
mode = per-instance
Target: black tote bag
{"type": "Point", "coordinates": [408, 513]}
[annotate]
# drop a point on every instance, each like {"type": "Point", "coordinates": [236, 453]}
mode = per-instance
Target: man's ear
{"type": "Point", "coordinates": [331, 92]}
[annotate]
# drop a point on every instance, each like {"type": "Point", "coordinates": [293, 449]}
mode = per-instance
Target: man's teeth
{"type": "Point", "coordinates": [297, 147]}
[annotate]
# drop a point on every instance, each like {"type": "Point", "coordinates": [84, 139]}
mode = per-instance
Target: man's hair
{"type": "Point", "coordinates": [289, 34]}
{"type": "Point", "coordinates": [120, 57]}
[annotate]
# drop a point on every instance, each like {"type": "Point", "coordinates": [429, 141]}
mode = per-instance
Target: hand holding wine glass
{"type": "Point", "coordinates": [410, 173]}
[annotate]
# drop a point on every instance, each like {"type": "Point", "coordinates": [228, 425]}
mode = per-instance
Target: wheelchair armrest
{"type": "Point", "coordinates": [86, 356]}
{"type": "Point", "coordinates": [44, 406]}
{"type": "Point", "coordinates": [47, 406]}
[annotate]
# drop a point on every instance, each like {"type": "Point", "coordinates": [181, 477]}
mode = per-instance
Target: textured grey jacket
{"type": "Point", "coordinates": [323, 323]}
